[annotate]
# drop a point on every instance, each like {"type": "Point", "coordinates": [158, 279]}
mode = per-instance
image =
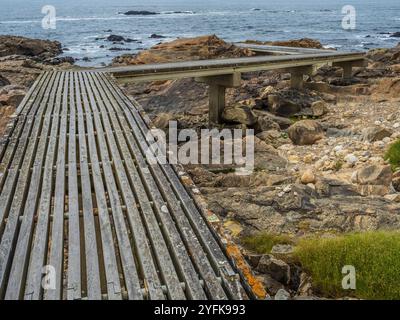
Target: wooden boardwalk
{"type": "Point", "coordinates": [83, 215]}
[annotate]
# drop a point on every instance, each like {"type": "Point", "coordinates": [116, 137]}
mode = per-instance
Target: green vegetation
{"type": "Point", "coordinates": [338, 165]}
{"type": "Point", "coordinates": [262, 243]}
{"type": "Point", "coordinates": [375, 256]}
{"type": "Point", "coordinates": [393, 155]}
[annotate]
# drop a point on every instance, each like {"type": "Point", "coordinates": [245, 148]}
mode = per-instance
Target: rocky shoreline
{"type": "Point", "coordinates": [319, 154]}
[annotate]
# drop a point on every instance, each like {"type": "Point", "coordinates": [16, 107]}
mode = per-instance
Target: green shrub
{"type": "Point", "coordinates": [375, 256]}
{"type": "Point", "coordinates": [262, 243]}
{"type": "Point", "coordinates": [393, 155]}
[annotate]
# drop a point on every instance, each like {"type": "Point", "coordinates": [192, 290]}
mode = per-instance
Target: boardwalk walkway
{"type": "Point", "coordinates": [82, 212]}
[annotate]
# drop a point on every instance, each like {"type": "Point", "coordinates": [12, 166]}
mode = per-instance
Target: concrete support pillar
{"type": "Point", "coordinates": [347, 67]}
{"type": "Point", "coordinates": [297, 74]}
{"type": "Point", "coordinates": [216, 98]}
{"type": "Point", "coordinates": [216, 91]}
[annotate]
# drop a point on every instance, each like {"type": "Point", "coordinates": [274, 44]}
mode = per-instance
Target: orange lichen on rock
{"type": "Point", "coordinates": [256, 286]}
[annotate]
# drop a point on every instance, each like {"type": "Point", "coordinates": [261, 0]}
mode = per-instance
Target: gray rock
{"type": "Point", "coordinates": [375, 175]}
{"type": "Point", "coordinates": [281, 106]}
{"type": "Point", "coordinates": [283, 122]}
{"type": "Point", "coordinates": [282, 294]}
{"type": "Point", "coordinates": [266, 123]}
{"type": "Point", "coordinates": [376, 133]}
{"type": "Point", "coordinates": [282, 250]}
{"type": "Point", "coordinates": [319, 108]}
{"type": "Point", "coordinates": [277, 269]}
{"type": "Point", "coordinates": [306, 132]}
{"type": "Point", "coordinates": [272, 137]}
{"type": "Point", "coordinates": [239, 114]}
{"type": "Point", "coordinates": [271, 285]}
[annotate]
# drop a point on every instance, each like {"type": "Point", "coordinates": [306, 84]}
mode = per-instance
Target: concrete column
{"type": "Point", "coordinates": [297, 73]}
{"type": "Point", "coordinates": [347, 67]}
{"type": "Point", "coordinates": [216, 92]}
{"type": "Point", "coordinates": [347, 71]}
{"type": "Point", "coordinates": [216, 95]}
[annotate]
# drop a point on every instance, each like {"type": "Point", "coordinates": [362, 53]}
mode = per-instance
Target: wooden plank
{"type": "Point", "coordinates": [161, 252]}
{"type": "Point", "coordinates": [193, 288]}
{"type": "Point", "coordinates": [17, 146]}
{"type": "Point", "coordinates": [91, 255]}
{"type": "Point", "coordinates": [212, 285]}
{"type": "Point", "coordinates": [141, 246]}
{"type": "Point", "coordinates": [74, 286]}
{"type": "Point", "coordinates": [19, 194]}
{"type": "Point", "coordinates": [209, 243]}
{"type": "Point", "coordinates": [47, 147]}
{"type": "Point", "coordinates": [127, 259]}
{"type": "Point", "coordinates": [56, 252]}
{"type": "Point", "coordinates": [114, 291]}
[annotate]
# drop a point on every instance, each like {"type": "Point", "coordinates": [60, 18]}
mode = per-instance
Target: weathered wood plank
{"type": "Point", "coordinates": [56, 252]}
{"type": "Point", "coordinates": [74, 287]}
{"type": "Point", "coordinates": [16, 148]}
{"type": "Point", "coordinates": [189, 237]}
{"type": "Point", "coordinates": [160, 248]}
{"type": "Point", "coordinates": [184, 264]}
{"type": "Point", "coordinates": [127, 259]}
{"type": "Point", "coordinates": [47, 147]}
{"type": "Point", "coordinates": [22, 183]}
{"type": "Point", "coordinates": [91, 255]}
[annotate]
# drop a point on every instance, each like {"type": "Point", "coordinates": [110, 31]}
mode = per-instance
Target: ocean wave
{"type": "Point", "coordinates": [65, 19]}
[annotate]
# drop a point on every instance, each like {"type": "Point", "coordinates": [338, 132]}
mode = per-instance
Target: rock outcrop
{"type": "Point", "coordinates": [206, 47]}
{"type": "Point", "coordinates": [299, 43]}
{"type": "Point", "coordinates": [42, 49]}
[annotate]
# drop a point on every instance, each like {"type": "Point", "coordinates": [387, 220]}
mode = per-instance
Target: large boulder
{"type": "Point", "coordinates": [374, 180]}
{"type": "Point", "coordinates": [376, 133]}
{"type": "Point", "coordinates": [239, 114]}
{"type": "Point", "coordinates": [289, 102]}
{"type": "Point", "coordinates": [305, 132]}
{"type": "Point", "coordinates": [319, 108]}
{"type": "Point", "coordinates": [14, 45]}
{"type": "Point", "coordinates": [375, 175]}
{"type": "Point", "coordinates": [281, 106]}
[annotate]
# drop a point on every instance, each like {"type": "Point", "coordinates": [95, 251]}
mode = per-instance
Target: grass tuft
{"type": "Point", "coordinates": [262, 243]}
{"type": "Point", "coordinates": [393, 155]}
{"type": "Point", "coordinates": [375, 256]}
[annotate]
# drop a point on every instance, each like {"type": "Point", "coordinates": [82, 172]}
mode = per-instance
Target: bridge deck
{"type": "Point", "coordinates": [216, 67]}
{"type": "Point", "coordinates": [78, 196]}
